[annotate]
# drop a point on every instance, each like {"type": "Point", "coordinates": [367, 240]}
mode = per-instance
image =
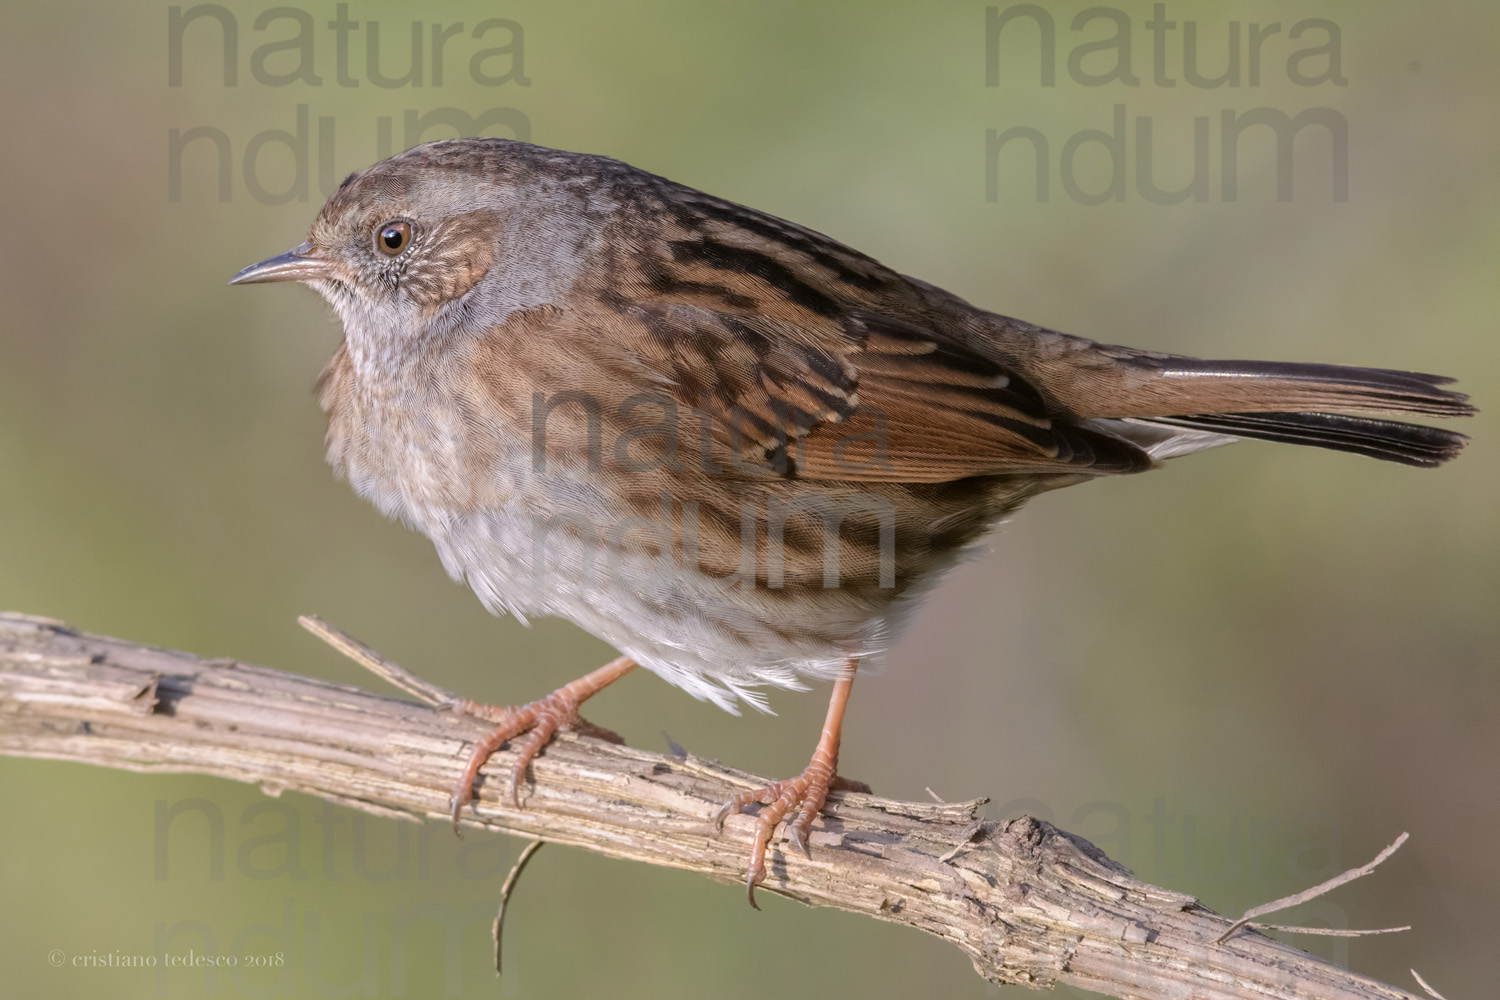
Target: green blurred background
{"type": "Point", "coordinates": [1239, 675]}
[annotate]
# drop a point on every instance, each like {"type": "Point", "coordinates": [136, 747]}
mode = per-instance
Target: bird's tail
{"type": "Point", "coordinates": [1312, 404]}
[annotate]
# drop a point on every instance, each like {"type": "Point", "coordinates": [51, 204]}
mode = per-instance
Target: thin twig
{"type": "Point", "coordinates": [375, 663]}
{"type": "Point", "coordinates": [971, 832]}
{"type": "Point", "coordinates": [1330, 931]}
{"type": "Point", "coordinates": [507, 888]}
{"type": "Point", "coordinates": [1423, 983]}
{"type": "Point", "coordinates": [1309, 894]}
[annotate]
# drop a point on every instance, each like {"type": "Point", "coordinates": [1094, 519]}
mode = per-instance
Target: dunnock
{"type": "Point", "coordinates": [733, 448]}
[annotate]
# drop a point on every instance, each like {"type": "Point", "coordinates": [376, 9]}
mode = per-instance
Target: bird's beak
{"type": "Point", "coordinates": [297, 264]}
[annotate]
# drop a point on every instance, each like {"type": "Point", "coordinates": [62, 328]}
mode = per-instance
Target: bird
{"type": "Point", "coordinates": [737, 450]}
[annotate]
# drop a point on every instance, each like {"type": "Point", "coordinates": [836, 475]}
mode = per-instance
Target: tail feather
{"type": "Point", "coordinates": [1280, 386]}
{"type": "Point", "coordinates": [1391, 440]}
{"type": "Point", "coordinates": [1312, 404]}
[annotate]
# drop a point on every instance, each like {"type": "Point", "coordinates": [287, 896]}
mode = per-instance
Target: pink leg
{"type": "Point", "coordinates": [805, 793]}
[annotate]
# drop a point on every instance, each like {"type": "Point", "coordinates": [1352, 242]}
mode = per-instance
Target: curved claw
{"type": "Point", "coordinates": [517, 775]}
{"type": "Point", "coordinates": [458, 805]}
{"type": "Point", "coordinates": [794, 837]}
{"type": "Point", "coordinates": [750, 888]}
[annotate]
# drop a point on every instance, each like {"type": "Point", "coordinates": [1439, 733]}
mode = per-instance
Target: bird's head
{"type": "Point", "coordinates": [445, 236]}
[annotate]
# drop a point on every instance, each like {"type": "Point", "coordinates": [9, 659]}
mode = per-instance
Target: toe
{"type": "Point", "coordinates": [526, 751]}
{"type": "Point", "coordinates": [767, 795]}
{"type": "Point", "coordinates": [798, 801]}
{"type": "Point", "coordinates": [583, 727]}
{"type": "Point", "coordinates": [799, 831]}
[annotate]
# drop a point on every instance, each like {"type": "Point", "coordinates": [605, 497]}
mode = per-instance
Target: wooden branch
{"type": "Point", "coordinates": [1028, 903]}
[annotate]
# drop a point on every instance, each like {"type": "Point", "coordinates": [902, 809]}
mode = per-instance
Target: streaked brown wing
{"type": "Point", "coordinates": [819, 359]}
{"type": "Point", "coordinates": [880, 400]}
{"type": "Point", "coordinates": [943, 412]}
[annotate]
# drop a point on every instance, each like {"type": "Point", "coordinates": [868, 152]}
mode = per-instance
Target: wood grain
{"type": "Point", "coordinates": [1028, 903]}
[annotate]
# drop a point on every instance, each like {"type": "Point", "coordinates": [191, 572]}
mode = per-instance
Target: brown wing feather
{"type": "Point", "coordinates": [945, 412]}
{"type": "Point", "coordinates": [882, 400]}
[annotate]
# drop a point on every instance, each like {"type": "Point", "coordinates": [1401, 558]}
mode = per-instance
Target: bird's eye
{"type": "Point", "coordinates": [393, 237]}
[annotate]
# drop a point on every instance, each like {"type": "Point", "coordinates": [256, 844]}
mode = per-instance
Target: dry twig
{"type": "Point", "coordinates": [508, 887]}
{"type": "Point", "coordinates": [1423, 983]}
{"type": "Point", "coordinates": [1306, 895]}
{"type": "Point", "coordinates": [1026, 902]}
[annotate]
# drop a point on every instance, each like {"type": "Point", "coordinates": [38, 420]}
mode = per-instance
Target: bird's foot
{"type": "Point", "coordinates": [540, 721]}
{"type": "Point", "coordinates": [803, 795]}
